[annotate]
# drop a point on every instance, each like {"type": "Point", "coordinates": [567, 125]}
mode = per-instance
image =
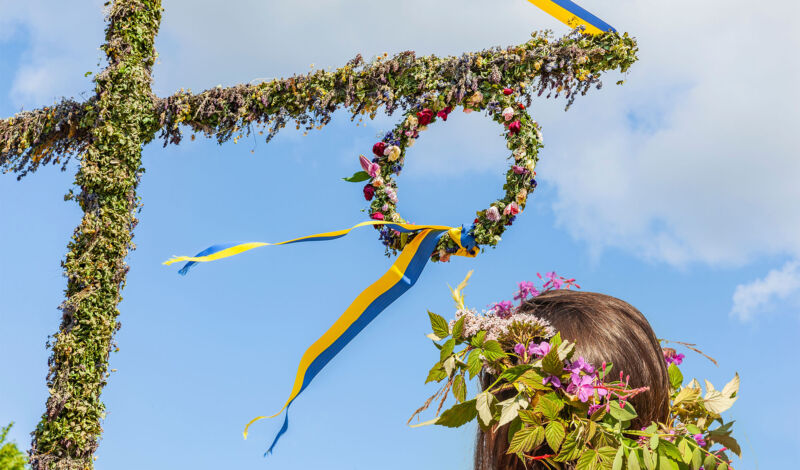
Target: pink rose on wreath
{"type": "Point", "coordinates": [511, 209]}
{"type": "Point", "coordinates": [519, 170]}
{"type": "Point", "coordinates": [508, 113]}
{"type": "Point", "coordinates": [377, 216]}
{"type": "Point", "coordinates": [373, 169]}
{"type": "Point", "coordinates": [493, 214]}
{"type": "Point", "coordinates": [378, 148]}
{"type": "Point", "coordinates": [391, 194]}
{"type": "Point", "coordinates": [369, 192]}
{"type": "Point", "coordinates": [443, 113]}
{"type": "Point", "coordinates": [425, 117]}
{"type": "Point", "coordinates": [514, 127]}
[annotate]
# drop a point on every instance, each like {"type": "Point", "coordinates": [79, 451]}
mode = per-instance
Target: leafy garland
{"type": "Point", "coordinates": [565, 410]}
{"type": "Point", "coordinates": [523, 138]}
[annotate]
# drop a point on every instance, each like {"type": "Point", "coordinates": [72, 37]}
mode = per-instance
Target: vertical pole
{"type": "Point", "coordinates": [123, 121]}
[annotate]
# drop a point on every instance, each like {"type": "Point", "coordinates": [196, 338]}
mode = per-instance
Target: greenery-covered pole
{"type": "Point", "coordinates": [121, 121]}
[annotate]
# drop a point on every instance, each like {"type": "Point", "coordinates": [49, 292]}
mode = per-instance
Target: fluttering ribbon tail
{"type": "Point", "coordinates": [367, 305]}
{"type": "Point", "coordinates": [465, 242]}
{"type": "Point", "coordinates": [572, 15]}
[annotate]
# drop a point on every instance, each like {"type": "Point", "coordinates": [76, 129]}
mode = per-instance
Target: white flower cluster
{"type": "Point", "coordinates": [495, 326]}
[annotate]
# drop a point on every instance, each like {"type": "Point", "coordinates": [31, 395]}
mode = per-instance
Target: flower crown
{"type": "Point", "coordinates": [565, 410]}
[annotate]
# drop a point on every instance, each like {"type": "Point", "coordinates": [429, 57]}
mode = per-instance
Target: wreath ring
{"type": "Point", "coordinates": [523, 138]}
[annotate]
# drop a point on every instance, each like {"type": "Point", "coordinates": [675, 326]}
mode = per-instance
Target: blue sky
{"type": "Point", "coordinates": [675, 192]}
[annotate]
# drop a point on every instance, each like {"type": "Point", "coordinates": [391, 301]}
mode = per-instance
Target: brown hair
{"type": "Point", "coordinates": [604, 328]}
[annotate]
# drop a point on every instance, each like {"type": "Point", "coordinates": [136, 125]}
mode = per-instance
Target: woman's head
{"type": "Point", "coordinates": [604, 328]}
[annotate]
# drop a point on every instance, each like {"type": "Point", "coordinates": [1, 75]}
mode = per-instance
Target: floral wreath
{"type": "Point", "coordinates": [523, 138]}
{"type": "Point", "coordinates": [567, 411]}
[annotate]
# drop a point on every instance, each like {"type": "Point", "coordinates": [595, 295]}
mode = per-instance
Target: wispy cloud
{"type": "Point", "coordinates": [755, 297]}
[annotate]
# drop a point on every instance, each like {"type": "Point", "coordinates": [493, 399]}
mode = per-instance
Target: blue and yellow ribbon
{"type": "Point", "coordinates": [572, 15]}
{"type": "Point", "coordinates": [369, 304]}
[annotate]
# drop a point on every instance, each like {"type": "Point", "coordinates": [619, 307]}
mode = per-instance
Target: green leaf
{"type": "Point", "coordinates": [447, 349]}
{"type": "Point", "coordinates": [666, 463]}
{"type": "Point", "coordinates": [436, 373]}
{"type": "Point", "coordinates": [492, 350]}
{"type": "Point", "coordinates": [510, 408]}
{"type": "Point", "coordinates": [526, 439]}
{"type": "Point", "coordinates": [460, 388]}
{"type": "Point", "coordinates": [622, 414]}
{"type": "Point", "coordinates": [687, 394]}
{"type": "Point", "coordinates": [477, 340]}
{"type": "Point", "coordinates": [529, 417]}
{"type": "Point", "coordinates": [697, 459]}
{"type": "Point", "coordinates": [618, 458]}
{"type": "Point", "coordinates": [675, 376]}
{"type": "Point", "coordinates": [587, 460]}
{"type": "Point", "coordinates": [533, 380]}
{"type": "Point", "coordinates": [670, 450]}
{"type": "Point", "coordinates": [439, 325]}
{"type": "Point", "coordinates": [554, 433]}
{"type": "Point", "coordinates": [555, 341]}
{"type": "Point", "coordinates": [726, 440]}
{"type": "Point", "coordinates": [722, 466]}
{"type": "Point", "coordinates": [357, 177]}
{"type": "Point", "coordinates": [551, 364]}
{"type": "Point", "coordinates": [649, 459]}
{"type": "Point", "coordinates": [685, 450]}
{"type": "Point", "coordinates": [513, 427]}
{"type": "Point", "coordinates": [458, 329]}
{"type": "Point", "coordinates": [654, 442]}
{"type": "Point", "coordinates": [570, 448]}
{"type": "Point", "coordinates": [693, 429]}
{"type": "Point", "coordinates": [484, 404]}
{"type": "Point", "coordinates": [512, 373]}
{"type": "Point", "coordinates": [449, 365]}
{"type": "Point", "coordinates": [633, 460]}
{"type": "Point", "coordinates": [709, 463]}
{"type": "Point", "coordinates": [607, 455]}
{"type": "Point", "coordinates": [549, 405]}
{"type": "Point", "coordinates": [458, 415]}
{"type": "Point", "coordinates": [474, 363]}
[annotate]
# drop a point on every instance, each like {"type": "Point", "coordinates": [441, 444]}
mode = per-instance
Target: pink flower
{"type": "Point", "coordinates": [377, 216]}
{"type": "Point", "coordinates": [507, 91]}
{"type": "Point", "coordinates": [503, 309]}
{"type": "Point", "coordinates": [378, 148]}
{"type": "Point", "coordinates": [541, 349]}
{"type": "Point", "coordinates": [493, 214]}
{"type": "Point", "coordinates": [511, 209]}
{"type": "Point", "coordinates": [392, 194]}
{"type": "Point", "coordinates": [369, 192]}
{"type": "Point", "coordinates": [425, 117]}
{"type": "Point", "coordinates": [583, 387]}
{"type": "Point", "coordinates": [373, 169]}
{"type": "Point", "coordinates": [508, 113]}
{"type": "Point", "coordinates": [514, 127]}
{"type": "Point", "coordinates": [519, 170]}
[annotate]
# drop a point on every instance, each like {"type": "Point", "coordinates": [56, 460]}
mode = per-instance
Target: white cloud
{"type": "Point", "coordinates": [62, 41]}
{"type": "Point", "coordinates": [693, 160]}
{"type": "Point", "coordinates": [755, 297]}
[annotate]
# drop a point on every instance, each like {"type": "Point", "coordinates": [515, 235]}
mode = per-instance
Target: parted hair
{"type": "Point", "coordinates": [604, 328]}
